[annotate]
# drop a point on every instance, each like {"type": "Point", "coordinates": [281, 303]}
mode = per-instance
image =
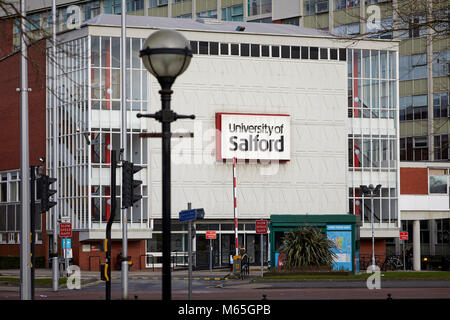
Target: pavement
{"type": "Point", "coordinates": [89, 278]}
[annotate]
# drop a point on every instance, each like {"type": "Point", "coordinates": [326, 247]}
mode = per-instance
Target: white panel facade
{"type": "Point", "coordinates": [313, 182]}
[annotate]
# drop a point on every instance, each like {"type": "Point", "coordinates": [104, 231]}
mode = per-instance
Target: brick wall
{"type": "Point", "coordinates": [413, 181]}
{"type": "Point", "coordinates": [366, 248]}
{"type": "Point", "coordinates": [91, 260]}
{"type": "Point", "coordinates": [6, 30]}
{"type": "Point", "coordinates": [10, 107]}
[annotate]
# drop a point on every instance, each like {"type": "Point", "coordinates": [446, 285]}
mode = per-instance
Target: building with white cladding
{"type": "Point", "coordinates": [338, 99]}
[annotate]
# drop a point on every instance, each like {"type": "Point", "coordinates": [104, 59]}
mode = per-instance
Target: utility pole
{"type": "Point", "coordinates": [25, 270]}
{"type": "Point", "coordinates": [430, 82]}
{"type": "Point", "coordinates": [123, 132]}
{"type": "Point", "coordinates": [190, 256]}
{"type": "Point", "coordinates": [55, 270]}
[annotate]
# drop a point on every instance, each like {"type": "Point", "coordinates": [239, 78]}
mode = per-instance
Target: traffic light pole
{"type": "Point", "coordinates": [33, 224]}
{"type": "Point", "coordinates": [108, 263]}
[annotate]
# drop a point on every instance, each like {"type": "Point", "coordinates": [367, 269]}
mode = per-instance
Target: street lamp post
{"type": "Point", "coordinates": [371, 191]}
{"type": "Point", "coordinates": [166, 55]}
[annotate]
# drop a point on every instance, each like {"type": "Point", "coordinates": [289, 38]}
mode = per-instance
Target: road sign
{"type": "Point", "coordinates": [69, 243]}
{"type": "Point", "coordinates": [193, 214]}
{"type": "Point", "coordinates": [210, 235]}
{"type": "Point", "coordinates": [261, 226]}
{"type": "Point", "coordinates": [65, 229]}
{"type": "Point", "coordinates": [403, 235]}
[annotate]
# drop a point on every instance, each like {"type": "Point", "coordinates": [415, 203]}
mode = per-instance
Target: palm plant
{"type": "Point", "coordinates": [306, 247]}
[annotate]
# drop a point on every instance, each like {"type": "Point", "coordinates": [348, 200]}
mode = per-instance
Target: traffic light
{"type": "Point", "coordinates": [128, 184]}
{"type": "Point", "coordinates": [44, 192]}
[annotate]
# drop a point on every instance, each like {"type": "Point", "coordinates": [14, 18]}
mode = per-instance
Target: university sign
{"type": "Point", "coordinates": [253, 136]}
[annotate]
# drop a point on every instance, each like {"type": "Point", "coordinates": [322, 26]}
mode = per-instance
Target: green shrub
{"type": "Point", "coordinates": [307, 247]}
{"type": "Point", "coordinates": [13, 262]}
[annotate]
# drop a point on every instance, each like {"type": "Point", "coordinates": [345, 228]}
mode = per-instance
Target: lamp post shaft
{"type": "Point", "coordinates": [166, 211]}
{"type": "Point", "coordinates": [373, 233]}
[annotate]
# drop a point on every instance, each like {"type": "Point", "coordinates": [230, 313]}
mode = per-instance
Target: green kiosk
{"type": "Point", "coordinates": [342, 229]}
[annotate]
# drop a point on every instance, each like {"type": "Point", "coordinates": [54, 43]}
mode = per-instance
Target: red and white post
{"type": "Point", "coordinates": [235, 207]}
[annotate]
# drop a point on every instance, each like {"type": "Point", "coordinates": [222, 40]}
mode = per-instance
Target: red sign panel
{"type": "Point", "coordinates": [261, 226]}
{"type": "Point", "coordinates": [210, 235]}
{"type": "Point", "coordinates": [65, 230]}
{"type": "Point", "coordinates": [403, 235]}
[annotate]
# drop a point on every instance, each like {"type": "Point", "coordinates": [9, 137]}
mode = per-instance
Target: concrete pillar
{"type": "Point", "coordinates": [416, 245]}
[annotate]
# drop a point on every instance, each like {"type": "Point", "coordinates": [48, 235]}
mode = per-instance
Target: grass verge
{"type": "Point", "coordinates": [38, 281]}
{"type": "Point", "coordinates": [391, 275]}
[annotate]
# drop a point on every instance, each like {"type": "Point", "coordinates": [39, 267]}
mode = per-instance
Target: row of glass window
{"type": "Point", "coordinates": [384, 205]}
{"type": "Point", "coordinates": [371, 153]}
{"type": "Point", "coordinates": [441, 229]}
{"type": "Point", "coordinates": [274, 51]}
{"type": "Point", "coordinates": [417, 148]}
{"type": "Point", "coordinates": [413, 67]}
{"type": "Point", "coordinates": [416, 107]}
{"type": "Point", "coordinates": [101, 205]}
{"type": "Point", "coordinates": [373, 64]}
{"type": "Point", "coordinates": [371, 98]}
{"type": "Point", "coordinates": [102, 144]}
{"type": "Point", "coordinates": [10, 218]}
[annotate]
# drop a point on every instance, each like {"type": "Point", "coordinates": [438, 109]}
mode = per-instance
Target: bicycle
{"type": "Point", "coordinates": [392, 263]}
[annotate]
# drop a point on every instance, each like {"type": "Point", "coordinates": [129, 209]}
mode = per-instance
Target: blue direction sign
{"type": "Point", "coordinates": [193, 214]}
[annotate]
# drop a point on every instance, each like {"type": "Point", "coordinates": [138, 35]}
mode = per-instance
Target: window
{"type": "Point", "coordinates": [265, 51]}
{"type": "Point", "coordinates": [32, 22]}
{"type": "Point", "coordinates": [438, 184]}
{"type": "Point", "coordinates": [112, 6]}
{"type": "Point", "coordinates": [419, 66]}
{"type": "Point", "coordinates": [441, 64]}
{"type": "Point", "coordinates": [441, 147]}
{"type": "Point", "coordinates": [413, 149]}
{"type": "Point", "coordinates": [255, 50]}
{"type": "Point", "coordinates": [285, 52]}
{"type": "Point", "coordinates": [314, 53]}
{"type": "Point", "coordinates": [211, 14]}
{"type": "Point", "coordinates": [441, 105]}
{"type": "Point", "coordinates": [333, 54]}
{"type": "Point", "coordinates": [245, 49]}
{"type": "Point", "coordinates": [275, 51]}
{"type": "Point", "coordinates": [347, 29]}
{"type": "Point", "coordinates": [342, 54]}
{"type": "Point", "coordinates": [315, 6]}
{"type": "Point", "coordinates": [234, 49]}
{"type": "Point", "coordinates": [420, 107]}
{"type": "Point", "coordinates": [11, 238]}
{"type": "Point", "coordinates": [203, 47]}
{"type": "Point", "coordinates": [194, 47]}
{"type": "Point", "coordinates": [91, 9]}
{"type": "Point", "coordinates": [305, 53]}
{"type": "Point", "coordinates": [295, 52]}
{"type": "Point", "coordinates": [343, 4]}
{"type": "Point", "coordinates": [323, 53]}
{"type": "Point", "coordinates": [258, 7]}
{"type": "Point", "coordinates": [420, 142]}
{"type": "Point", "coordinates": [224, 48]}
{"type": "Point", "coordinates": [233, 13]}
{"type": "Point", "coordinates": [214, 48]}
{"type": "Point", "coordinates": [293, 21]}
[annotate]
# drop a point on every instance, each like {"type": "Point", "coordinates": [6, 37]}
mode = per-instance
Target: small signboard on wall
{"type": "Point", "coordinates": [341, 236]}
